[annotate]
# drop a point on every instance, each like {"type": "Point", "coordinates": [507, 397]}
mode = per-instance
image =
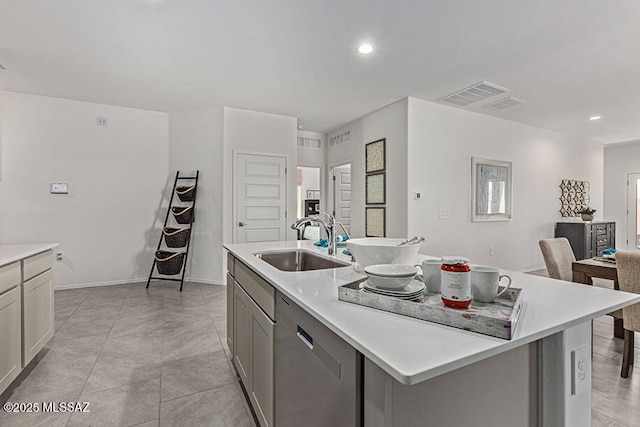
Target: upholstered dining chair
{"type": "Point", "coordinates": [558, 257]}
{"type": "Point", "coordinates": [628, 265]}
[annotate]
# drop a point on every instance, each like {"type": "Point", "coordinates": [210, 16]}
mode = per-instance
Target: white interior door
{"type": "Point", "coordinates": [260, 190]}
{"type": "Point", "coordinates": [342, 195]}
{"type": "Point", "coordinates": [633, 211]}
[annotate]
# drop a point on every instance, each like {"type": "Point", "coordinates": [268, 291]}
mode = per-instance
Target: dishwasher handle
{"type": "Point", "coordinates": [305, 337]}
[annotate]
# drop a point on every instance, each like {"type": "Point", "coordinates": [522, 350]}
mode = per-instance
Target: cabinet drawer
{"type": "Point", "coordinates": [259, 290]}
{"type": "Point", "coordinates": [231, 264]}
{"type": "Point", "coordinates": [36, 264]}
{"type": "Point", "coordinates": [9, 276]}
{"type": "Point", "coordinates": [37, 315]}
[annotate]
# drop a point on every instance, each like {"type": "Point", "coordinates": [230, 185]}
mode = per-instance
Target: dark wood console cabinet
{"type": "Point", "coordinates": [588, 239]}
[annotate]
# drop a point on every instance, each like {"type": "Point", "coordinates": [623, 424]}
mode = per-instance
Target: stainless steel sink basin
{"type": "Point", "coordinates": [298, 260]}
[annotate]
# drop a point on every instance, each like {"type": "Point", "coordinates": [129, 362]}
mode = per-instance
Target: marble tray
{"type": "Point", "coordinates": [497, 319]}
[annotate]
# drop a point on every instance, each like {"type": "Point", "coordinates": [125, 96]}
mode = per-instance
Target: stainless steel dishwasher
{"type": "Point", "coordinates": [317, 373]}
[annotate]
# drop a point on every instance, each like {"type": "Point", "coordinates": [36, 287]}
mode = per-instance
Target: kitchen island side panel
{"type": "Point", "coordinates": [498, 391]}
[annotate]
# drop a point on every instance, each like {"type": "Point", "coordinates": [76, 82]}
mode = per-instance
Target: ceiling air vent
{"type": "Point", "coordinates": [475, 93]}
{"type": "Point", "coordinates": [505, 103]}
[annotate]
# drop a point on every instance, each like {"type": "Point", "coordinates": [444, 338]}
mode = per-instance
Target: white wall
{"type": "Point", "coordinates": [389, 122]}
{"type": "Point", "coordinates": [619, 160]}
{"type": "Point", "coordinates": [442, 141]}
{"type": "Point", "coordinates": [116, 175]}
{"type": "Point", "coordinates": [259, 133]}
{"type": "Point", "coordinates": [196, 144]}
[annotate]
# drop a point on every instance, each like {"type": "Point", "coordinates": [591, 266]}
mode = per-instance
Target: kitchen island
{"type": "Point", "coordinates": [420, 373]}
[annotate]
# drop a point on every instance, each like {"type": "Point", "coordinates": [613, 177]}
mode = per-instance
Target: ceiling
{"type": "Point", "coordinates": [567, 59]}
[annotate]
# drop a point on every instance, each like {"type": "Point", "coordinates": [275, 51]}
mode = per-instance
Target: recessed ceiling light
{"type": "Point", "coordinates": [593, 118]}
{"type": "Point", "coordinates": [365, 49]}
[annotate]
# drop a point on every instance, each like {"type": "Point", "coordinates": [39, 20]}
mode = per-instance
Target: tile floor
{"type": "Point", "coordinates": [141, 357]}
{"type": "Point", "coordinates": [159, 358]}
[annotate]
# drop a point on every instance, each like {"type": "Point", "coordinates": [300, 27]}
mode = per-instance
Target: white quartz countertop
{"type": "Point", "coordinates": [11, 253]}
{"type": "Point", "coordinates": [413, 350]}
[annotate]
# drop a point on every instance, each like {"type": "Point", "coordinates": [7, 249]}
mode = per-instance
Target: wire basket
{"type": "Point", "coordinates": [182, 215]}
{"type": "Point", "coordinates": [169, 263]}
{"type": "Point", "coordinates": [176, 237]}
{"type": "Point", "coordinates": [186, 194]}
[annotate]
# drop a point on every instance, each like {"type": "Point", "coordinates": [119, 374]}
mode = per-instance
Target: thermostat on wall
{"type": "Point", "coordinates": [59, 188]}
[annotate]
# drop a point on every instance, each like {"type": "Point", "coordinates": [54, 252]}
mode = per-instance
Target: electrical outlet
{"type": "Point", "coordinates": [443, 213]}
{"type": "Point", "coordinates": [58, 256]}
{"type": "Point", "coordinates": [580, 358]}
{"type": "Point", "coordinates": [102, 121]}
{"type": "Point", "coordinates": [416, 195]}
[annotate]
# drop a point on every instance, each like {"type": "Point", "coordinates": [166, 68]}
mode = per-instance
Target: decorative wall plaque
{"type": "Point", "coordinates": [574, 196]}
{"type": "Point", "coordinates": [375, 156]}
{"type": "Point", "coordinates": [375, 189]}
{"type": "Point", "coordinates": [375, 222]}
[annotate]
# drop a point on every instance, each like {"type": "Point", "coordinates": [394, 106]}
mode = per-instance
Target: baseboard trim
{"type": "Point", "coordinates": [130, 281]}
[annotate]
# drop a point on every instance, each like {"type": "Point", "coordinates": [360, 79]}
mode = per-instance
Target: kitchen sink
{"type": "Point", "coordinates": [299, 260]}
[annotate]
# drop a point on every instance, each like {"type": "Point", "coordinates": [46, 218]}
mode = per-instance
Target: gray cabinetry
{"type": "Point", "coordinates": [230, 301]}
{"type": "Point", "coordinates": [253, 339]}
{"type": "Point", "coordinates": [588, 239]}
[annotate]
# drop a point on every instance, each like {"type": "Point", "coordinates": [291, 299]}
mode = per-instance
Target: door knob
{"type": "Point", "coordinates": [241, 224]}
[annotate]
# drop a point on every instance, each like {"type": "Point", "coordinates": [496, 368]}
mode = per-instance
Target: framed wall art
{"type": "Point", "coordinates": [375, 189]}
{"type": "Point", "coordinates": [375, 156]}
{"type": "Point", "coordinates": [375, 222]}
{"type": "Point", "coordinates": [491, 190]}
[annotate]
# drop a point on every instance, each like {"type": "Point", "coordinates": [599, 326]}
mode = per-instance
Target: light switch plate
{"type": "Point", "coordinates": [580, 369]}
{"type": "Point", "coordinates": [59, 188]}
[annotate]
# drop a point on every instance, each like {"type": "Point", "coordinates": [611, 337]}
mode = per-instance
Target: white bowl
{"type": "Point", "coordinates": [391, 270]}
{"type": "Point", "coordinates": [390, 276]}
{"type": "Point", "coordinates": [381, 250]}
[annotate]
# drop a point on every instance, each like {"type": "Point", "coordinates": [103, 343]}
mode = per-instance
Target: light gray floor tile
{"type": "Point", "coordinates": [188, 345]}
{"type": "Point", "coordinates": [622, 407]}
{"type": "Point", "coordinates": [138, 325]}
{"type": "Point", "coordinates": [51, 376]}
{"type": "Point", "coordinates": [113, 370]}
{"type": "Point", "coordinates": [74, 349]}
{"type": "Point", "coordinates": [193, 374]}
{"type": "Point", "coordinates": [74, 328]}
{"type": "Point", "coordinates": [122, 406]}
{"type": "Point", "coordinates": [599, 420]}
{"type": "Point", "coordinates": [152, 423]}
{"type": "Point", "coordinates": [133, 344]}
{"type": "Point", "coordinates": [218, 407]}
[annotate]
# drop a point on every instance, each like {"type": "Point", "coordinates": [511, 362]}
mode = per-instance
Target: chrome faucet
{"type": "Point", "coordinates": [329, 226]}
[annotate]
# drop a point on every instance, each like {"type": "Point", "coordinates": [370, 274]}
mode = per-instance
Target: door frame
{"type": "Point", "coordinates": [632, 211]}
{"type": "Point", "coordinates": [234, 188]}
{"type": "Point", "coordinates": [323, 191]}
{"type": "Point", "coordinates": [330, 182]}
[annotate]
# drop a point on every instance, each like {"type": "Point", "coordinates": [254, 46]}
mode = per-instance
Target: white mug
{"type": "Point", "coordinates": [485, 281]}
{"type": "Point", "coordinates": [431, 269]}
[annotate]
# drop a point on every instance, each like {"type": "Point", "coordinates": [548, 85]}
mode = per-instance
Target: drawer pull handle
{"type": "Point", "coordinates": [305, 337]}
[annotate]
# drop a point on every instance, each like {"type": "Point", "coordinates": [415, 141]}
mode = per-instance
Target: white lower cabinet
{"type": "Point", "coordinates": [253, 343]}
{"type": "Point", "coordinates": [37, 315]}
{"type": "Point", "coordinates": [26, 312]}
{"type": "Point", "coordinates": [10, 337]}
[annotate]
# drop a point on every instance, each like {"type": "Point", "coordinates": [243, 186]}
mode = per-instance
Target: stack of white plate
{"type": "Point", "coordinates": [412, 291]}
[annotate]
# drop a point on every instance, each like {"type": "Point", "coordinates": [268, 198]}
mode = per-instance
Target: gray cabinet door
{"type": "Point", "coordinates": [242, 334]}
{"type": "Point", "coordinates": [37, 316]}
{"type": "Point", "coordinates": [261, 392]}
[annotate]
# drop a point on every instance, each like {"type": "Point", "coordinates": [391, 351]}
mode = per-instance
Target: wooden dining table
{"type": "Point", "coordinates": [585, 270]}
